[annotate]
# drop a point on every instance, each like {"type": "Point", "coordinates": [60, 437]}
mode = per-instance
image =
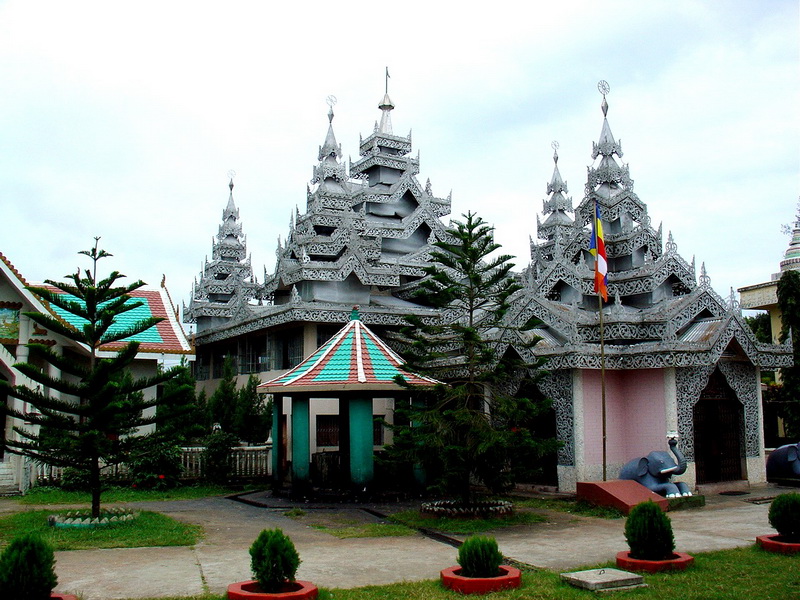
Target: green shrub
{"type": "Point", "coordinates": [27, 569]}
{"type": "Point", "coordinates": [479, 556]}
{"type": "Point", "coordinates": [784, 515]}
{"type": "Point", "coordinates": [273, 560]}
{"type": "Point", "coordinates": [217, 457]}
{"type": "Point", "coordinates": [156, 465]}
{"type": "Point", "coordinates": [649, 532]}
{"type": "Point", "coordinates": [74, 480]}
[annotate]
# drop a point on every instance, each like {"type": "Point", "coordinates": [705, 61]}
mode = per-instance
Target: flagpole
{"type": "Point", "coordinates": [603, 382]}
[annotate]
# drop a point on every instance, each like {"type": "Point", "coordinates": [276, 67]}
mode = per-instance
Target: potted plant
{"type": "Point", "coordinates": [648, 531]}
{"type": "Point", "coordinates": [274, 561]}
{"type": "Point", "coordinates": [479, 569]}
{"type": "Point", "coordinates": [27, 570]}
{"type": "Point", "coordinates": [784, 516]}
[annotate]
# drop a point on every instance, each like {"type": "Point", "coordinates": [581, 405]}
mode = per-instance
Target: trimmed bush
{"type": "Point", "coordinates": [784, 515]}
{"type": "Point", "coordinates": [648, 532]}
{"type": "Point", "coordinates": [479, 556]}
{"type": "Point", "coordinates": [273, 560]}
{"type": "Point", "coordinates": [156, 465]}
{"type": "Point", "coordinates": [27, 569]}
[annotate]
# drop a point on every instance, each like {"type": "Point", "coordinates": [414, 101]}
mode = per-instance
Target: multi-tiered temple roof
{"type": "Point", "coordinates": [657, 314]}
{"type": "Point", "coordinates": [226, 282]}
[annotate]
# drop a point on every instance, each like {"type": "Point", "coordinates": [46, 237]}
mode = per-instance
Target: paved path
{"type": "Point", "coordinates": [564, 542]}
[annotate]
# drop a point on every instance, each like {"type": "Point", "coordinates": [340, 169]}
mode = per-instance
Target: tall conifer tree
{"type": "Point", "coordinates": [471, 428]}
{"type": "Point", "coordinates": [84, 417]}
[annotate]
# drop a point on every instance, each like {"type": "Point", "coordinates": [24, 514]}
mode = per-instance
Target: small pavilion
{"type": "Point", "coordinates": [355, 366]}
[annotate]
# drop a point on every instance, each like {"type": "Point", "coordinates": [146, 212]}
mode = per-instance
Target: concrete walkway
{"type": "Point", "coordinates": [564, 542]}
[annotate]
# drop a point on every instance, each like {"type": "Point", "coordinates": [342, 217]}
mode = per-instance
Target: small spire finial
{"type": "Point", "coordinates": [386, 90]}
{"type": "Point", "coordinates": [604, 88]}
{"type": "Point", "coordinates": [231, 175]}
{"type": "Point", "coordinates": [331, 102]}
{"type": "Point", "coordinates": [554, 146]}
{"type": "Point", "coordinates": [354, 316]}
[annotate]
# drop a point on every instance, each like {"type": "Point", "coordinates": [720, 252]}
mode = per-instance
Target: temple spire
{"type": "Point", "coordinates": [386, 106]}
{"type": "Point", "coordinates": [330, 150]}
{"type": "Point", "coordinates": [230, 212]}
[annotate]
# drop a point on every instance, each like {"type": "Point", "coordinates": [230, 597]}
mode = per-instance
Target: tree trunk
{"type": "Point", "coordinates": [94, 487]}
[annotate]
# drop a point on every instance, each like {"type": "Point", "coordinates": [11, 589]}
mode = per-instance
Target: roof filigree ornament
{"type": "Point", "coordinates": [705, 280]}
{"type": "Point", "coordinates": [733, 302]}
{"type": "Point", "coordinates": [671, 247]}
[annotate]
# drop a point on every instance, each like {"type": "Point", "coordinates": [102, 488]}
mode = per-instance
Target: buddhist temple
{"type": "Point", "coordinates": [672, 355]}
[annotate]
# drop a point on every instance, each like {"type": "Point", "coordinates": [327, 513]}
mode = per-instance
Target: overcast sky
{"type": "Point", "coordinates": [123, 119]}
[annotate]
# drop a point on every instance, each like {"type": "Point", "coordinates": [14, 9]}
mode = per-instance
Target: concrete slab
{"type": "Point", "coordinates": [604, 579]}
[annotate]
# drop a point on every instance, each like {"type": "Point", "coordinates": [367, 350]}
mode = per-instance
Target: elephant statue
{"type": "Point", "coordinates": [784, 463]}
{"type": "Point", "coordinates": [655, 470]}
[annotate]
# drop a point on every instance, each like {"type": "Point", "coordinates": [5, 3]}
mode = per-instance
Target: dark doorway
{"type": "Point", "coordinates": [718, 433]}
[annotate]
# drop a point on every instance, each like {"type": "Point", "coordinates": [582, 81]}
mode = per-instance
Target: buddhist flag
{"type": "Point", "coordinates": [598, 250]}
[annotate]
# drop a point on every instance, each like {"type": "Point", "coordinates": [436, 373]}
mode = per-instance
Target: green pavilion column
{"type": "Point", "coordinates": [277, 443]}
{"type": "Point", "coordinates": [361, 459]}
{"type": "Point", "coordinates": [301, 449]}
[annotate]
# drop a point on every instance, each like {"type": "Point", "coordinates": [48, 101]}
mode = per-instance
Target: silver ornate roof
{"type": "Point", "coordinates": [366, 233]}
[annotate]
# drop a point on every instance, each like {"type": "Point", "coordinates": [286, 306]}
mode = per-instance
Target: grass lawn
{"type": "Point", "coordinates": [568, 505]}
{"type": "Point", "coordinates": [346, 524]}
{"type": "Point", "coordinates": [413, 518]}
{"type": "Point", "coordinates": [148, 529]}
{"type": "Point", "coordinates": [747, 573]}
{"type": "Point", "coordinates": [53, 495]}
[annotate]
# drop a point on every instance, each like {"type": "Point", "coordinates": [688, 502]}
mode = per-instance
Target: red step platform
{"type": "Point", "coordinates": [622, 494]}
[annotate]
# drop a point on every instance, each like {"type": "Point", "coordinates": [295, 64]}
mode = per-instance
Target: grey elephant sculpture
{"type": "Point", "coordinates": [784, 463]}
{"type": "Point", "coordinates": [655, 470]}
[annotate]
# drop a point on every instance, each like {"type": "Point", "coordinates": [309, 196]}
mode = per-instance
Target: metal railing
{"type": "Point", "coordinates": [245, 462]}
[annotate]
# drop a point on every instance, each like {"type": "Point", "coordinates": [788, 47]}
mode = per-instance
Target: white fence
{"type": "Point", "coordinates": [245, 462]}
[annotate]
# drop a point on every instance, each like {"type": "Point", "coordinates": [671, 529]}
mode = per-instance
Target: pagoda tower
{"type": "Point", "coordinates": [364, 235]}
{"type": "Point", "coordinates": [671, 347]}
{"type": "Point", "coordinates": [226, 282]}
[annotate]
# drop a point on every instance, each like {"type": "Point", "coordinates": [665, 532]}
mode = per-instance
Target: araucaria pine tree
{"type": "Point", "coordinates": [789, 303]}
{"type": "Point", "coordinates": [473, 428]}
{"type": "Point", "coordinates": [84, 417]}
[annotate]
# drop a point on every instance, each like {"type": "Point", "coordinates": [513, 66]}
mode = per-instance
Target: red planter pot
{"type": "Point", "coordinates": [774, 543]}
{"type": "Point", "coordinates": [55, 596]}
{"type": "Point", "coordinates": [293, 590]}
{"type": "Point", "coordinates": [509, 578]}
{"type": "Point", "coordinates": [678, 562]}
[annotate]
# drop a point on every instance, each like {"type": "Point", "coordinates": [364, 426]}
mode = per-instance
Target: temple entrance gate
{"type": "Point", "coordinates": [718, 441]}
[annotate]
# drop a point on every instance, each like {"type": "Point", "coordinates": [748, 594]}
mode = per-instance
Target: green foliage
{"type": "Point", "coordinates": [252, 417]}
{"type": "Point", "coordinates": [784, 516]}
{"type": "Point", "coordinates": [222, 403]}
{"type": "Point", "coordinates": [74, 480]}
{"type": "Point", "coordinates": [761, 326]}
{"type": "Point", "coordinates": [479, 556]}
{"type": "Point", "coordinates": [241, 412]}
{"type": "Point", "coordinates": [648, 532]}
{"type": "Point", "coordinates": [273, 560]}
{"type": "Point", "coordinates": [156, 465]}
{"type": "Point", "coordinates": [184, 419]}
{"type": "Point", "coordinates": [92, 430]}
{"type": "Point", "coordinates": [217, 455]}
{"type": "Point", "coordinates": [27, 569]}
{"type": "Point", "coordinates": [469, 430]}
{"type": "Point", "coordinates": [789, 303]}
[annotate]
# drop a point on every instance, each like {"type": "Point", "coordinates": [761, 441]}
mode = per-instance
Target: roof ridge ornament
{"type": "Point", "coordinates": [604, 88]}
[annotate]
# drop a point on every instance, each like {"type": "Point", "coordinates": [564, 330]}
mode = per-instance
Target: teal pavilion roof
{"type": "Point", "coordinates": [353, 359]}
